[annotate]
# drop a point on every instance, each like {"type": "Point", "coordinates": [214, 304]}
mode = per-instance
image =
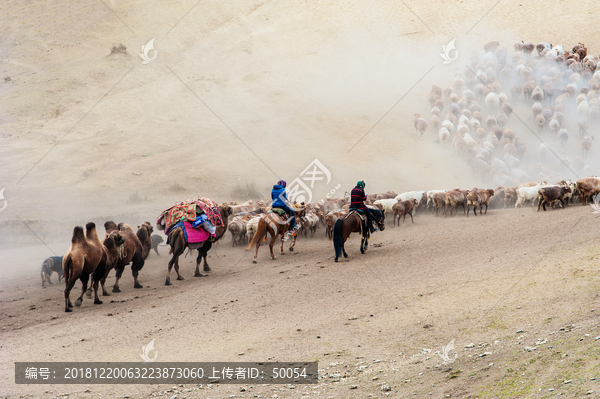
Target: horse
{"type": "Point", "coordinates": [178, 245]}
{"type": "Point", "coordinates": [273, 224]}
{"type": "Point", "coordinates": [353, 224]}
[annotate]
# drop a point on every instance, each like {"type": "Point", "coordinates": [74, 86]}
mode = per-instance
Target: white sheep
{"type": "Point", "coordinates": [444, 135]}
{"type": "Point", "coordinates": [387, 204]}
{"type": "Point", "coordinates": [492, 102]}
{"type": "Point", "coordinates": [251, 227]}
{"type": "Point", "coordinates": [527, 194]}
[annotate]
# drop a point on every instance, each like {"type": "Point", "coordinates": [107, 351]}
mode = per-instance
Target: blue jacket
{"type": "Point", "coordinates": [277, 194]}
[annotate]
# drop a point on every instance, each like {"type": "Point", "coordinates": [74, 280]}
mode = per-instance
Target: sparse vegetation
{"type": "Point", "coordinates": [58, 111]}
{"type": "Point", "coordinates": [121, 48]}
{"type": "Point", "coordinates": [137, 199]}
{"type": "Point", "coordinates": [453, 374]}
{"type": "Point", "coordinates": [177, 188]}
{"type": "Point", "coordinates": [7, 79]}
{"type": "Point", "coordinates": [246, 191]}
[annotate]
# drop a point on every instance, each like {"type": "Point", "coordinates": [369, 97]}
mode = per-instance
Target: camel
{"type": "Point", "coordinates": [144, 234]}
{"type": "Point", "coordinates": [178, 245]}
{"type": "Point", "coordinates": [85, 257]}
{"type": "Point", "coordinates": [129, 251]}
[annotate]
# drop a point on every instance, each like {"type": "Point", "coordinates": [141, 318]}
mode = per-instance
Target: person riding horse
{"type": "Point", "coordinates": [357, 202]}
{"type": "Point", "coordinates": [280, 200]}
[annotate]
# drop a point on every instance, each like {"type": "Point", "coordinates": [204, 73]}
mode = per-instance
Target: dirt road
{"type": "Point", "coordinates": [475, 280]}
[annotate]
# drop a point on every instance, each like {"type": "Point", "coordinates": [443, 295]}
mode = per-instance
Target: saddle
{"type": "Point", "coordinates": [282, 214]}
{"type": "Point", "coordinates": [363, 220]}
{"type": "Point", "coordinates": [358, 212]}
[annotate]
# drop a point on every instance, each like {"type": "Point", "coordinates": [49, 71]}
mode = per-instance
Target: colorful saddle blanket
{"type": "Point", "coordinates": [187, 211]}
{"type": "Point", "coordinates": [191, 234]}
{"type": "Point", "coordinates": [280, 212]}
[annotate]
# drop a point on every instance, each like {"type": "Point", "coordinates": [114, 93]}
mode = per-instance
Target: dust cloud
{"type": "Point", "coordinates": [239, 93]}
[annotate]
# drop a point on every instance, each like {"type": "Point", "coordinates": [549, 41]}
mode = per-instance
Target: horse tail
{"type": "Point", "coordinates": [261, 232]}
{"type": "Point", "coordinates": [337, 238]}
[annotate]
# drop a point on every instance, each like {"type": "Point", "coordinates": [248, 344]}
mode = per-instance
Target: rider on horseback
{"type": "Point", "coordinates": [280, 200]}
{"type": "Point", "coordinates": [357, 202]}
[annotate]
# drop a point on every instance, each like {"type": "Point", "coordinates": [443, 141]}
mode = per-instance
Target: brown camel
{"type": "Point", "coordinates": [144, 234]}
{"type": "Point", "coordinates": [130, 251]}
{"type": "Point", "coordinates": [178, 245]}
{"type": "Point", "coordinates": [85, 256]}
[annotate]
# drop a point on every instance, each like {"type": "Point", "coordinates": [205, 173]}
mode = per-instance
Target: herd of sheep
{"type": "Point", "coordinates": [560, 88]}
{"type": "Point", "coordinates": [478, 115]}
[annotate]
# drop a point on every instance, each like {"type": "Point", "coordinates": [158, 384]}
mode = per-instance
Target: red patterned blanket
{"type": "Point", "coordinates": [188, 210]}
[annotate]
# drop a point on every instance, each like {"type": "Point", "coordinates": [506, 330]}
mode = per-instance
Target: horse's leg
{"type": "Point", "coordinates": [362, 243]}
{"type": "Point", "coordinates": [256, 251]}
{"type": "Point", "coordinates": [84, 285]}
{"type": "Point", "coordinates": [272, 244]}
{"type": "Point", "coordinates": [281, 246]}
{"type": "Point", "coordinates": [293, 244]}
{"type": "Point", "coordinates": [119, 273]}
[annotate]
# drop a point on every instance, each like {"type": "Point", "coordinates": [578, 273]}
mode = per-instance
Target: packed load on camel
{"type": "Point", "coordinates": [198, 218]}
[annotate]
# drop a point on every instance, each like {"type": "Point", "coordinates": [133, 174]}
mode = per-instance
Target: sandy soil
{"type": "Point", "coordinates": [250, 92]}
{"type": "Point", "coordinates": [475, 280]}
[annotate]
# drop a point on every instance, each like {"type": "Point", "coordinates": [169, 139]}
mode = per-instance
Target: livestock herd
{"type": "Point", "coordinates": [560, 87]}
{"type": "Point", "coordinates": [88, 256]}
{"type": "Point", "coordinates": [557, 83]}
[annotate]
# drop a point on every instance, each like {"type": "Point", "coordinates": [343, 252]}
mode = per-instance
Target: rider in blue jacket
{"type": "Point", "coordinates": [280, 200]}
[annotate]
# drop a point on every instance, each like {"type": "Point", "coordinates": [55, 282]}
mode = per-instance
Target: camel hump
{"type": "Point", "coordinates": [78, 236]}
{"type": "Point", "coordinates": [90, 227]}
{"type": "Point", "coordinates": [124, 227]}
{"type": "Point", "coordinates": [110, 226]}
{"type": "Point", "coordinates": [90, 231]}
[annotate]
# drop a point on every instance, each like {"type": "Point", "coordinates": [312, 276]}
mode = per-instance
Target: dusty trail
{"type": "Point", "coordinates": [250, 92]}
{"type": "Point", "coordinates": [475, 279]}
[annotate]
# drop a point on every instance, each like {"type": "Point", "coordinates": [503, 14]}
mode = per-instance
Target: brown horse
{"type": "Point", "coordinates": [178, 245]}
{"type": "Point", "coordinates": [353, 223]}
{"type": "Point", "coordinates": [273, 224]}
{"type": "Point", "coordinates": [85, 256]}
